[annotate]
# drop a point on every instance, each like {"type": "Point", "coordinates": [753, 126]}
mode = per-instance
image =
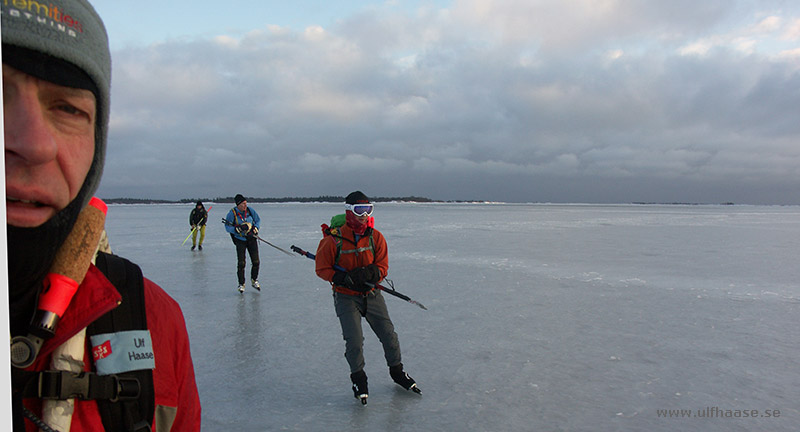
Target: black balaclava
{"type": "Point", "coordinates": [72, 53]}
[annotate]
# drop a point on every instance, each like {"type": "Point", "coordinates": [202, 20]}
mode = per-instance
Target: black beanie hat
{"type": "Point", "coordinates": [356, 197]}
{"type": "Point", "coordinates": [239, 198]}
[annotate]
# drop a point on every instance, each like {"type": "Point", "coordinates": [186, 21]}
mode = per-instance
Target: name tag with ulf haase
{"type": "Point", "coordinates": [122, 352]}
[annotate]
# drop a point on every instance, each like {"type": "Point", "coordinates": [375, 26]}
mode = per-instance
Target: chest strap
{"type": "Point", "coordinates": [340, 240]}
{"type": "Point", "coordinates": [64, 385]}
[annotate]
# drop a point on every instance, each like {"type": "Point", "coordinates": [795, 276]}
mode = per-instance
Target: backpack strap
{"type": "Point", "coordinates": [338, 249]}
{"type": "Point", "coordinates": [135, 414]}
{"type": "Point", "coordinates": [237, 216]}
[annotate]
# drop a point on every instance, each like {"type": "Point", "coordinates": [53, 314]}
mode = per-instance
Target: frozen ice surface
{"type": "Point", "coordinates": [541, 317]}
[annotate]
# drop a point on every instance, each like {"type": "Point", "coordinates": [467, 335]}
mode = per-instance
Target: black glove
{"type": "Point", "coordinates": [254, 231]}
{"type": "Point", "coordinates": [363, 278]}
{"type": "Point", "coordinates": [343, 279]}
{"type": "Point", "coordinates": [373, 274]}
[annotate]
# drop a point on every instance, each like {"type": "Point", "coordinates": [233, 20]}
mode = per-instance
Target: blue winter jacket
{"type": "Point", "coordinates": [236, 217]}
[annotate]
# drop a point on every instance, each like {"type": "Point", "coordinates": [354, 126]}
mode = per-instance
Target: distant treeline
{"type": "Point", "coordinates": [325, 199]}
{"type": "Point", "coordinates": [680, 203]}
{"type": "Point", "coordinates": [333, 199]}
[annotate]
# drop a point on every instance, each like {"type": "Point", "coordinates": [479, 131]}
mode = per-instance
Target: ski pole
{"type": "Point", "coordinates": [195, 227]}
{"type": "Point", "coordinates": [190, 234]}
{"type": "Point", "coordinates": [225, 221]}
{"type": "Point", "coordinates": [276, 247]}
{"type": "Point", "coordinates": [391, 291]}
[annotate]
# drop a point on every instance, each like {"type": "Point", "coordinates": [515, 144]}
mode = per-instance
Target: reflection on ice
{"type": "Point", "coordinates": [540, 317]}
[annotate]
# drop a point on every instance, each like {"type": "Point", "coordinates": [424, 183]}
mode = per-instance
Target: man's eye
{"type": "Point", "coordinates": [73, 112]}
{"type": "Point", "coordinates": [69, 109]}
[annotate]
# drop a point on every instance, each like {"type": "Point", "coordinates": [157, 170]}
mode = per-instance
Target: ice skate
{"type": "Point", "coordinates": [360, 389]}
{"type": "Point", "coordinates": [403, 379]}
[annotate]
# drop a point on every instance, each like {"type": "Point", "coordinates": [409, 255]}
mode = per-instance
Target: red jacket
{"type": "Point", "coordinates": [326, 254]}
{"type": "Point", "coordinates": [173, 376]}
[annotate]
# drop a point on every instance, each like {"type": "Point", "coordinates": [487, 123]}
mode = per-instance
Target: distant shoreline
{"type": "Point", "coordinates": [337, 199]}
{"type": "Point", "coordinates": [320, 199]}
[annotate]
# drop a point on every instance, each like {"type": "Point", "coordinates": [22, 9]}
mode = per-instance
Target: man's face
{"type": "Point", "coordinates": [242, 206]}
{"type": "Point", "coordinates": [49, 145]}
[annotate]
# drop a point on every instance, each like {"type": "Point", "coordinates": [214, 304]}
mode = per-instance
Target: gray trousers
{"type": "Point", "coordinates": [350, 310]}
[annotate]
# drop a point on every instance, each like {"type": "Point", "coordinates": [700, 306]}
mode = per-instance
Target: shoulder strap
{"type": "Point", "coordinates": [338, 248]}
{"type": "Point", "coordinates": [135, 414]}
{"type": "Point", "coordinates": [240, 216]}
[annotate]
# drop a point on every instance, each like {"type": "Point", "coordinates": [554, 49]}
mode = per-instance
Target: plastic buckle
{"type": "Point", "coordinates": [126, 388]}
{"type": "Point", "coordinates": [63, 385]}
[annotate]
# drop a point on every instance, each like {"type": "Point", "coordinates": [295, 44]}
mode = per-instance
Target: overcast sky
{"type": "Point", "coordinates": [518, 100]}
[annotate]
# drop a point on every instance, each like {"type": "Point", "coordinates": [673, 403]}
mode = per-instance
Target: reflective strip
{"type": "Point", "coordinates": [340, 241]}
{"type": "Point", "coordinates": [361, 249]}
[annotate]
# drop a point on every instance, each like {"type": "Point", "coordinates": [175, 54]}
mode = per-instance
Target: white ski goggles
{"type": "Point", "coordinates": [360, 209]}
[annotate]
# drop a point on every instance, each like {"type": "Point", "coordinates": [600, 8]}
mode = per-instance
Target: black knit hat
{"type": "Point", "coordinates": [239, 199]}
{"type": "Point", "coordinates": [356, 197]}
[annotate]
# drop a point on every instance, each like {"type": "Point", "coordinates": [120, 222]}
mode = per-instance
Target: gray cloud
{"type": "Point", "coordinates": [519, 102]}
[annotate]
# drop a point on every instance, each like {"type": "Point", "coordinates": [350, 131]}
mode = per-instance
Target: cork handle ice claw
{"type": "Point", "coordinates": [73, 258]}
{"type": "Point", "coordinates": [69, 268]}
